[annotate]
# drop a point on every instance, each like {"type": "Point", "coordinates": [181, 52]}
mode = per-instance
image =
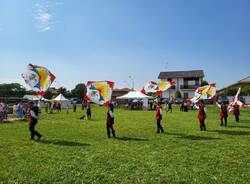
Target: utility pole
{"type": "Point", "coordinates": [133, 82]}
{"type": "Point", "coordinates": [166, 66]}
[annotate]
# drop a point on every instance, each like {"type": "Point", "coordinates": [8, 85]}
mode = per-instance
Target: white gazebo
{"type": "Point", "coordinates": [136, 95]}
{"type": "Point", "coordinates": [64, 101]}
{"type": "Point", "coordinates": [34, 98]}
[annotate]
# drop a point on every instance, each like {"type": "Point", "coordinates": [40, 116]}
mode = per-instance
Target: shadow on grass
{"type": "Point", "coordinates": [239, 126]}
{"type": "Point", "coordinates": [229, 132]}
{"type": "Point", "coordinates": [198, 138]}
{"type": "Point", "coordinates": [130, 139]}
{"type": "Point", "coordinates": [63, 143]}
{"type": "Point", "coordinates": [191, 137]}
{"type": "Point", "coordinates": [175, 134]}
{"type": "Point", "coordinates": [245, 121]}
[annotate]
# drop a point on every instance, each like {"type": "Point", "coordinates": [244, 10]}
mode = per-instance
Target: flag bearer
{"type": "Point", "coordinates": [110, 121]}
{"type": "Point", "coordinates": [223, 114]}
{"type": "Point", "coordinates": [159, 118]}
{"type": "Point", "coordinates": [202, 115]}
{"type": "Point", "coordinates": [33, 120]}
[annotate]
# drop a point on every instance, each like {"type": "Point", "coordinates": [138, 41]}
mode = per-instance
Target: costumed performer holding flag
{"type": "Point", "coordinates": [33, 120]}
{"type": "Point", "coordinates": [158, 116]}
{"type": "Point", "coordinates": [39, 79]}
{"type": "Point", "coordinates": [202, 93]}
{"type": "Point", "coordinates": [100, 92]}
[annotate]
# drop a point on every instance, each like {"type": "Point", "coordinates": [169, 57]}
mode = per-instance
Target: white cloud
{"type": "Point", "coordinates": [43, 17]}
{"type": "Point", "coordinates": [45, 14]}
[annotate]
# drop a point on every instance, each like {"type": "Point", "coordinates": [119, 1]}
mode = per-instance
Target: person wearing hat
{"type": "Point", "coordinates": [110, 121]}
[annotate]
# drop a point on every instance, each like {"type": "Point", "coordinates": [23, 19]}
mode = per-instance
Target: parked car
{"type": "Point", "coordinates": [191, 106]}
{"type": "Point", "coordinates": [223, 99]}
{"type": "Point", "coordinates": [75, 101]}
{"type": "Point", "coordinates": [179, 100]}
{"type": "Point", "coordinates": [208, 101]}
{"type": "Point", "coordinates": [242, 100]}
{"type": "Point", "coordinates": [165, 100]}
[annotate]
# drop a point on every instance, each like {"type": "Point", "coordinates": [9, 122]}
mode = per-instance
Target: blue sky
{"type": "Point", "coordinates": [85, 40]}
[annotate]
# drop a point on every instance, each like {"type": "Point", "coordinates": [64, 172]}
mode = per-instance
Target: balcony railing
{"type": "Point", "coordinates": [189, 86]}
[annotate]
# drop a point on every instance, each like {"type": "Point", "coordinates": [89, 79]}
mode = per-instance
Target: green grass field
{"type": "Point", "coordinates": [77, 151]}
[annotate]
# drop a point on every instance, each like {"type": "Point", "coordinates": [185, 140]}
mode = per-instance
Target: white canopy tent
{"type": "Point", "coordinates": [136, 95]}
{"type": "Point", "coordinates": [64, 101]}
{"type": "Point", "coordinates": [34, 98]}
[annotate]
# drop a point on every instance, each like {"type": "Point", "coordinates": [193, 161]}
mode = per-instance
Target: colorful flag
{"type": "Point", "coordinates": [159, 88]}
{"type": "Point", "coordinates": [204, 92]}
{"type": "Point", "coordinates": [38, 78]}
{"type": "Point", "coordinates": [99, 92]}
{"type": "Point", "coordinates": [235, 101]}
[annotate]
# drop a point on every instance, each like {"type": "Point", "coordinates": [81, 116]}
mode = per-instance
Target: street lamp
{"type": "Point", "coordinates": [126, 82]}
{"type": "Point", "coordinates": [133, 82]}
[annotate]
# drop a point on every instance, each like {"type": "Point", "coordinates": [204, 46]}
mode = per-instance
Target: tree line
{"type": "Point", "coordinates": [16, 90]}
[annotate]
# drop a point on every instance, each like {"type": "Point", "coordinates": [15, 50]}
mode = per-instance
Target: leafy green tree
{"type": "Point", "coordinates": [64, 92]}
{"type": "Point", "coordinates": [245, 91]}
{"type": "Point", "coordinates": [12, 90]}
{"type": "Point", "coordinates": [48, 95]}
{"type": "Point", "coordinates": [204, 83]}
{"type": "Point", "coordinates": [177, 94]}
{"type": "Point", "coordinates": [79, 91]}
{"type": "Point", "coordinates": [230, 92]}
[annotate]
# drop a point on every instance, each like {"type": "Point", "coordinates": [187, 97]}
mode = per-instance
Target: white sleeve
{"type": "Point", "coordinates": [205, 110]}
{"type": "Point", "coordinates": [111, 114]}
{"type": "Point", "coordinates": [33, 115]}
{"type": "Point", "coordinates": [218, 104]}
{"type": "Point", "coordinates": [160, 112]}
{"type": "Point", "coordinates": [196, 106]}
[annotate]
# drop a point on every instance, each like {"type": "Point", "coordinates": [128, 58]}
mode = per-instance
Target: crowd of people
{"type": "Point", "coordinates": [50, 107]}
{"type": "Point", "coordinates": [19, 110]}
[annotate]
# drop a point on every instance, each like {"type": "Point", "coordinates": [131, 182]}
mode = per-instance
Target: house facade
{"type": "Point", "coordinates": [185, 82]}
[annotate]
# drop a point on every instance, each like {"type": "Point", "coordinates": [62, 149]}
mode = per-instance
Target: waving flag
{"type": "Point", "coordinates": [38, 78]}
{"type": "Point", "coordinates": [99, 92]}
{"type": "Point", "coordinates": [236, 98]}
{"type": "Point", "coordinates": [204, 92]}
{"type": "Point", "coordinates": [159, 88]}
{"type": "Point", "coordinates": [235, 101]}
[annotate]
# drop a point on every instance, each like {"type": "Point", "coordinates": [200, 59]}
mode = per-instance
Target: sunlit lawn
{"type": "Point", "coordinates": [78, 151]}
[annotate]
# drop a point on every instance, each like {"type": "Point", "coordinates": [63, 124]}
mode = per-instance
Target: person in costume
{"type": "Point", "coordinates": [33, 120]}
{"type": "Point", "coordinates": [74, 106]}
{"type": "Point", "coordinates": [110, 121]}
{"type": "Point", "coordinates": [88, 111]}
{"type": "Point", "coordinates": [158, 116]}
{"type": "Point", "coordinates": [236, 112]}
{"type": "Point", "coordinates": [223, 114]}
{"type": "Point", "coordinates": [170, 109]}
{"type": "Point", "coordinates": [202, 115]}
